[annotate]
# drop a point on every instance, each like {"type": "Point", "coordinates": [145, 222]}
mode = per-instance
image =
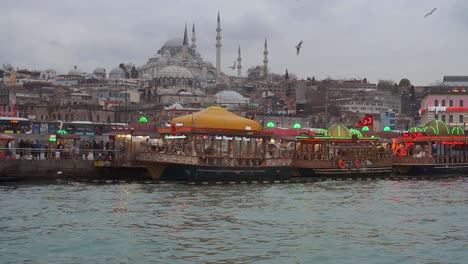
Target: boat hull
{"type": "Point", "coordinates": [199, 173]}
{"type": "Point", "coordinates": [324, 168]}
{"type": "Point", "coordinates": [431, 169]}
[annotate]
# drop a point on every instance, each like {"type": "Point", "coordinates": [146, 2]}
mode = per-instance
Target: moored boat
{"type": "Point", "coordinates": [341, 152]}
{"type": "Point", "coordinates": [434, 149]}
{"type": "Point", "coordinates": [214, 145]}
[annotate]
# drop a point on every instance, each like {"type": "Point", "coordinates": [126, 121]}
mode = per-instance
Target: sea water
{"type": "Point", "coordinates": [319, 222]}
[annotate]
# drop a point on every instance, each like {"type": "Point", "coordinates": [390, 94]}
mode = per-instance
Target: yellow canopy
{"type": "Point", "coordinates": [216, 117]}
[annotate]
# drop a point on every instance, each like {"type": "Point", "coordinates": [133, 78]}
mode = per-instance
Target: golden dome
{"type": "Point", "coordinates": [216, 117]}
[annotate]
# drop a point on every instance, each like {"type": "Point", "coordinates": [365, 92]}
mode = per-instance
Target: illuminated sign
{"type": "Point", "coordinates": [458, 142]}
{"type": "Point", "coordinates": [14, 121]}
{"type": "Point", "coordinates": [437, 108]}
{"type": "Point", "coordinates": [178, 124]}
{"type": "Point", "coordinates": [174, 137]}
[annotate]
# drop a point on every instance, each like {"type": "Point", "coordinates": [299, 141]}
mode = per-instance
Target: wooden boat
{"type": "Point", "coordinates": [215, 145]}
{"type": "Point", "coordinates": [341, 152]}
{"type": "Point", "coordinates": [434, 149]}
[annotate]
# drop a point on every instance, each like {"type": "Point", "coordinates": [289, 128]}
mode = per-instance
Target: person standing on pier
{"type": "Point", "coordinates": [8, 146]}
{"type": "Point", "coordinates": [21, 146]}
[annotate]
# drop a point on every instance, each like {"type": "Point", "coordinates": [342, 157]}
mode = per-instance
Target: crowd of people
{"type": "Point", "coordinates": [36, 150]}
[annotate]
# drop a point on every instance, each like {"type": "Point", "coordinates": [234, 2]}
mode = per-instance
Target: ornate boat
{"type": "Point", "coordinates": [341, 152]}
{"type": "Point", "coordinates": [434, 149]}
{"type": "Point", "coordinates": [214, 145]}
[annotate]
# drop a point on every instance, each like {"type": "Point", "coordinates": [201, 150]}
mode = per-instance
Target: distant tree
{"type": "Point", "coordinates": [292, 76]}
{"type": "Point", "coordinates": [386, 85]}
{"type": "Point", "coordinates": [133, 72]}
{"type": "Point", "coordinates": [254, 72]}
{"type": "Point", "coordinates": [404, 83]}
{"type": "Point", "coordinates": [275, 77]}
{"type": "Point", "coordinates": [7, 67]}
{"type": "Point", "coordinates": [395, 89]}
{"type": "Point", "coordinates": [364, 80]}
{"type": "Point", "coordinates": [286, 75]}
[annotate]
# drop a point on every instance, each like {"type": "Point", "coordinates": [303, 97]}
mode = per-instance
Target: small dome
{"type": "Point", "coordinates": [99, 71]}
{"type": "Point", "coordinates": [439, 128]}
{"type": "Point", "coordinates": [173, 42]}
{"type": "Point", "coordinates": [147, 76]}
{"type": "Point", "coordinates": [230, 97]}
{"type": "Point", "coordinates": [117, 70]}
{"type": "Point", "coordinates": [174, 71]}
{"type": "Point", "coordinates": [75, 71]}
{"type": "Point", "coordinates": [174, 106]}
{"type": "Point", "coordinates": [355, 132]}
{"type": "Point", "coordinates": [164, 91]}
{"type": "Point", "coordinates": [458, 131]}
{"type": "Point", "coordinates": [339, 130]}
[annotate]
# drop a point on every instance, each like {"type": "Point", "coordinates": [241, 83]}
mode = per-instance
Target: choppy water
{"type": "Point", "coordinates": [322, 222]}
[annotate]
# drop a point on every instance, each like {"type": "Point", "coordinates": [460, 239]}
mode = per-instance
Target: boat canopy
{"type": "Point", "coordinates": [216, 117]}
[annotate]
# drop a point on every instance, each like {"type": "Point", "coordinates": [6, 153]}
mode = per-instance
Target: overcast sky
{"type": "Point", "coordinates": [377, 39]}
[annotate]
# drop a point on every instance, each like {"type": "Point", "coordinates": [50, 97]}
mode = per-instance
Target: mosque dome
{"type": "Point", "coordinates": [99, 71]}
{"type": "Point", "coordinates": [117, 70]}
{"type": "Point", "coordinates": [173, 42]}
{"type": "Point", "coordinates": [230, 97]}
{"type": "Point", "coordinates": [75, 71]}
{"type": "Point", "coordinates": [164, 91]}
{"type": "Point", "coordinates": [174, 71]}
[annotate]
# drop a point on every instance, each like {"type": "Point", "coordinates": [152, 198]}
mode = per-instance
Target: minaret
{"type": "Point", "coordinates": [194, 46]}
{"type": "Point", "coordinates": [265, 61]}
{"type": "Point", "coordinates": [218, 48]}
{"type": "Point", "coordinates": [185, 45]}
{"type": "Point", "coordinates": [239, 66]}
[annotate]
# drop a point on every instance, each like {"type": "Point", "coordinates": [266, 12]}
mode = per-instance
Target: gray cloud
{"type": "Point", "coordinates": [356, 38]}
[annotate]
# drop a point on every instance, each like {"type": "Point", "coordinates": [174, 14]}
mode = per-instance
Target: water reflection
{"type": "Point", "coordinates": [325, 222]}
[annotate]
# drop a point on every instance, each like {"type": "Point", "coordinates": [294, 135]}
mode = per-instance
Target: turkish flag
{"type": "Point", "coordinates": [368, 120]}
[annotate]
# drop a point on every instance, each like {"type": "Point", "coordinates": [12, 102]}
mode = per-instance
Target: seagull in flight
{"type": "Point", "coordinates": [430, 13]}
{"type": "Point", "coordinates": [298, 47]}
{"type": "Point", "coordinates": [233, 66]}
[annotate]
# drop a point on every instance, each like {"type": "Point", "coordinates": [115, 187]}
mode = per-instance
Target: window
{"type": "Point", "coordinates": [443, 102]}
{"type": "Point", "coordinates": [450, 103]}
{"type": "Point", "coordinates": [443, 118]}
{"type": "Point", "coordinates": [460, 103]}
{"type": "Point", "coordinates": [436, 102]}
{"type": "Point", "coordinates": [460, 119]}
{"type": "Point", "coordinates": [450, 118]}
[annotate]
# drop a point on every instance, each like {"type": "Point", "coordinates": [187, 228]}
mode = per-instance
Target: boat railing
{"type": "Point", "coordinates": [446, 159]}
{"type": "Point", "coordinates": [180, 155]}
{"type": "Point", "coordinates": [306, 155]}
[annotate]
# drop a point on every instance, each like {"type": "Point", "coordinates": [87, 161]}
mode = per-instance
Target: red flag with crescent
{"type": "Point", "coordinates": [368, 120]}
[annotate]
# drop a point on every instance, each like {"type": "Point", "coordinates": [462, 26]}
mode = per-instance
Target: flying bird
{"type": "Point", "coordinates": [298, 47]}
{"type": "Point", "coordinates": [430, 13]}
{"type": "Point", "coordinates": [233, 66]}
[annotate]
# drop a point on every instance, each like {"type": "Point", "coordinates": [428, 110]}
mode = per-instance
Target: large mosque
{"type": "Point", "coordinates": [177, 54]}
